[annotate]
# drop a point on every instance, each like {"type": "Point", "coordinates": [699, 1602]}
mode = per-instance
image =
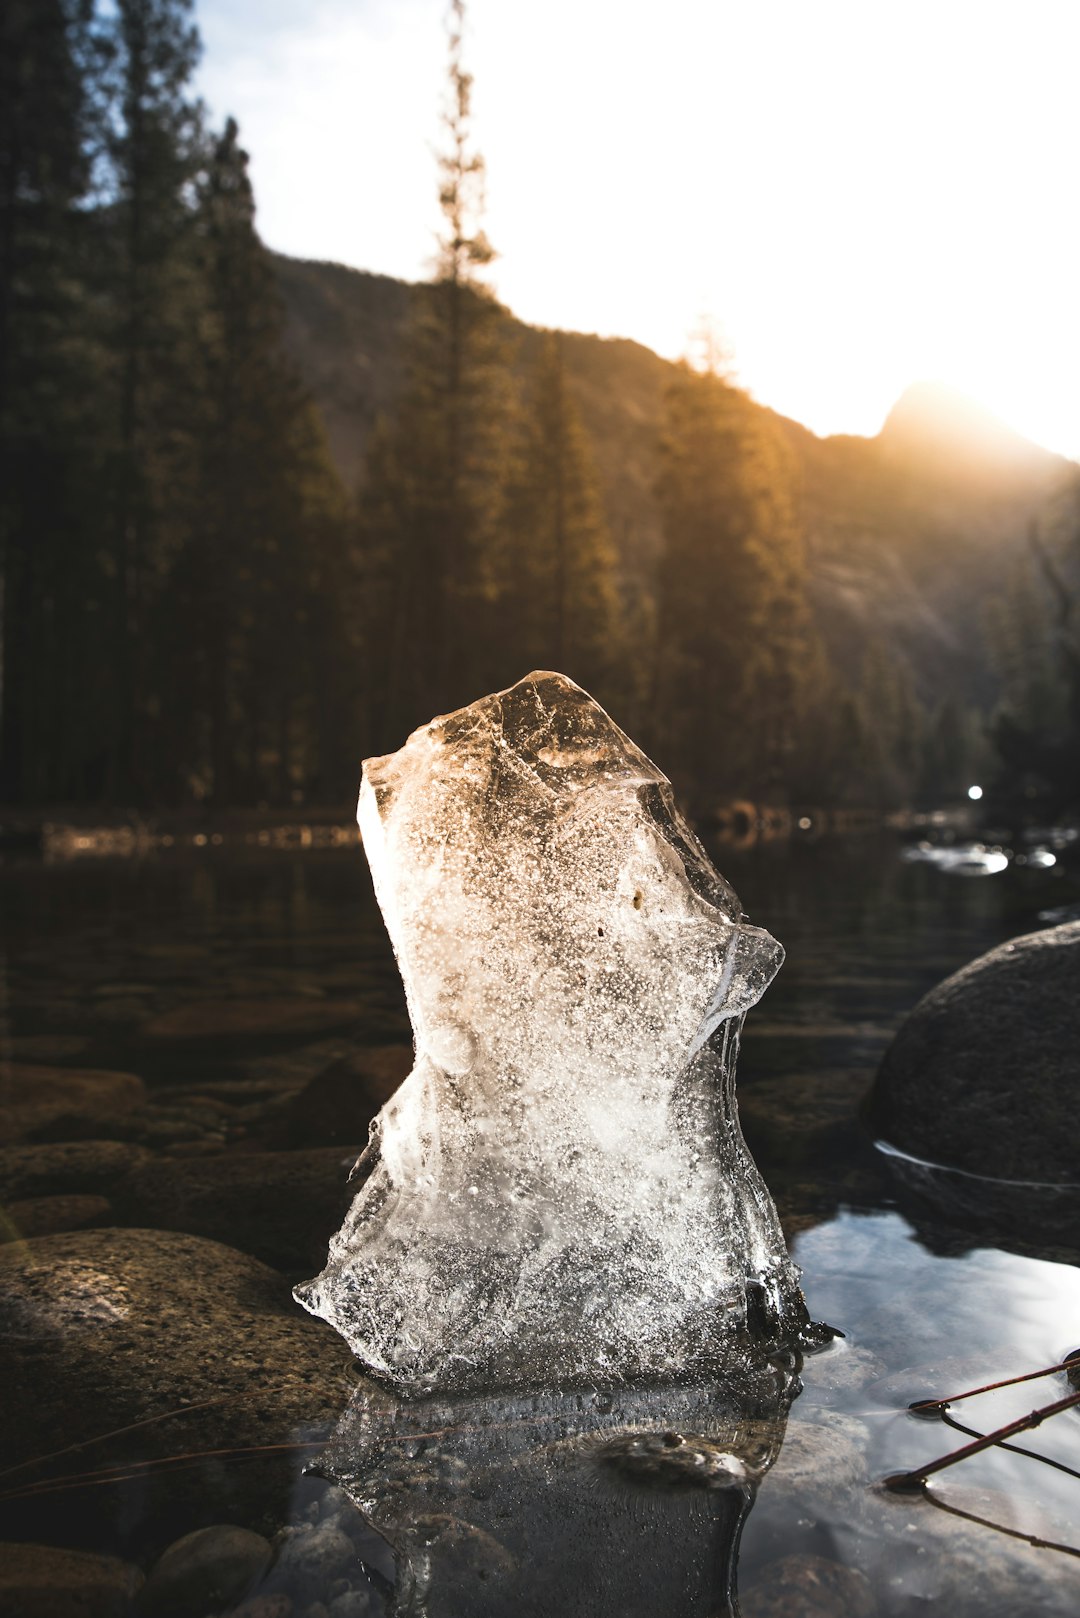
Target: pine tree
{"type": "Point", "coordinates": [430, 508]}
{"type": "Point", "coordinates": [731, 623]}
{"type": "Point", "coordinates": [1035, 644]}
{"type": "Point", "coordinates": [154, 152]}
{"type": "Point", "coordinates": [263, 577]}
{"type": "Point", "coordinates": [49, 373]}
{"type": "Point", "coordinates": [561, 600]}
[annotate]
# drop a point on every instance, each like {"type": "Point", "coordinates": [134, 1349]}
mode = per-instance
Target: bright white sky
{"type": "Point", "coordinates": [860, 193]}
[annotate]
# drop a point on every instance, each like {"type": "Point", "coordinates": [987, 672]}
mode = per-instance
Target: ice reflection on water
{"type": "Point", "coordinates": [88, 955]}
{"type": "Point", "coordinates": [616, 1504]}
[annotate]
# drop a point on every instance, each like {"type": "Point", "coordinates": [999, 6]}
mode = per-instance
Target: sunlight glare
{"type": "Point", "coordinates": [861, 196]}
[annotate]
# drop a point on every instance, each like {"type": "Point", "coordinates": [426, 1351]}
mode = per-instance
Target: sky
{"type": "Point", "coordinates": [858, 194]}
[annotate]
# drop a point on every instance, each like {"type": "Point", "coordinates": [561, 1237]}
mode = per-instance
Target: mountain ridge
{"type": "Point", "coordinates": [907, 532]}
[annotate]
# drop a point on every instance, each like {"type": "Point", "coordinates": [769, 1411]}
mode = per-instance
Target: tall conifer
{"type": "Point", "coordinates": [434, 474]}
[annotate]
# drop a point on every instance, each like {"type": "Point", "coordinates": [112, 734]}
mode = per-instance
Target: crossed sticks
{"type": "Point", "coordinates": [913, 1482]}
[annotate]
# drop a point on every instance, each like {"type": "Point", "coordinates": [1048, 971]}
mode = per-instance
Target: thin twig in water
{"type": "Point", "coordinates": [145, 1421]}
{"type": "Point", "coordinates": [1014, 1449]}
{"type": "Point", "coordinates": [927, 1407]}
{"type": "Point", "coordinates": [1000, 1528]}
{"type": "Point", "coordinates": [906, 1482]}
{"type": "Point", "coordinates": [126, 1471]}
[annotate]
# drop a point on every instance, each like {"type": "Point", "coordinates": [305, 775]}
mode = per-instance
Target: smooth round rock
{"type": "Point", "coordinates": [352, 1604]}
{"type": "Point", "coordinates": [984, 1075]}
{"type": "Point", "coordinates": [279, 1206]}
{"type": "Point", "coordinates": [272, 1604]}
{"type": "Point", "coordinates": [200, 1344]}
{"type": "Point", "coordinates": [811, 1587]}
{"type": "Point", "coordinates": [57, 1167]}
{"type": "Point", "coordinates": [40, 1581]}
{"type": "Point", "coordinates": [320, 1553]}
{"type": "Point", "coordinates": [338, 1104]}
{"type": "Point", "coordinates": [818, 1462]}
{"type": "Point", "coordinates": [41, 1216]}
{"type": "Point", "coordinates": [58, 1103]}
{"type": "Point", "coordinates": [206, 1570]}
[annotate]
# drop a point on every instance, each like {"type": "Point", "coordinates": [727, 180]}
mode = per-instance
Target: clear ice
{"type": "Point", "coordinates": [559, 1193]}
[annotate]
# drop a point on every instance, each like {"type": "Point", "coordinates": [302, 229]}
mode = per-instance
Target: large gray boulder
{"type": "Point", "coordinates": [984, 1075]}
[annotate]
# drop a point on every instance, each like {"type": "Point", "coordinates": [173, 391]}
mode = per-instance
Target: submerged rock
{"type": "Point", "coordinates": [51, 1103]}
{"type": "Point", "coordinates": [201, 1345]}
{"type": "Point", "coordinates": [41, 1216]}
{"type": "Point", "coordinates": [58, 1167]}
{"type": "Point", "coordinates": [40, 1581]}
{"type": "Point", "coordinates": [274, 1205]}
{"type": "Point", "coordinates": [338, 1104]}
{"type": "Point", "coordinates": [811, 1587]}
{"type": "Point", "coordinates": [207, 1571]}
{"type": "Point", "coordinates": [560, 1189]}
{"type": "Point", "coordinates": [226, 1024]}
{"type": "Point", "coordinates": [984, 1075]}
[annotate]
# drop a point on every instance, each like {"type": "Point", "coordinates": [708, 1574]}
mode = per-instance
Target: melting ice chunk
{"type": "Point", "coordinates": [559, 1192]}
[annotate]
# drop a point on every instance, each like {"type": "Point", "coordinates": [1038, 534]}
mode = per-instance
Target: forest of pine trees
{"type": "Point", "coordinates": [194, 609]}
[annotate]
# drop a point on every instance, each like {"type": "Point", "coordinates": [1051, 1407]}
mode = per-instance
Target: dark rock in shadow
{"type": "Point", "coordinates": [982, 1076]}
{"type": "Point", "coordinates": [337, 1105]}
{"type": "Point", "coordinates": [171, 1375]}
{"type": "Point", "coordinates": [277, 1206]}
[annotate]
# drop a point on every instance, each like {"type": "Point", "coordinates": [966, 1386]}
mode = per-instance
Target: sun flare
{"type": "Point", "coordinates": [860, 195]}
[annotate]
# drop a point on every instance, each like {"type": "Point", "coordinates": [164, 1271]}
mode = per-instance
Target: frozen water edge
{"type": "Point", "coordinates": [559, 1193]}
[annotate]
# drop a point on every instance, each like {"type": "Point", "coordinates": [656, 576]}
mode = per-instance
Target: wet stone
{"type": "Point", "coordinates": [47, 1047]}
{"type": "Point", "coordinates": [317, 1553]}
{"type": "Point", "coordinates": [209, 1569]}
{"type": "Point", "coordinates": [274, 1604]}
{"type": "Point", "coordinates": [246, 1022]}
{"type": "Point", "coordinates": [40, 1581]}
{"type": "Point", "coordinates": [932, 1561]}
{"type": "Point", "coordinates": [982, 1075]}
{"type": "Point", "coordinates": [67, 1166]}
{"type": "Point", "coordinates": [278, 1206]}
{"type": "Point", "coordinates": [338, 1105]}
{"type": "Point", "coordinates": [41, 1216]}
{"type": "Point", "coordinates": [352, 1604]}
{"type": "Point", "coordinates": [818, 1462]}
{"type": "Point", "coordinates": [201, 1344]}
{"type": "Point", "coordinates": [810, 1587]}
{"type": "Point", "coordinates": [57, 1103]}
{"type": "Point", "coordinates": [830, 1377]}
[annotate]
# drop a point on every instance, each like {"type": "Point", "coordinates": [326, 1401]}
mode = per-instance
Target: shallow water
{"type": "Point", "coordinates": [193, 971]}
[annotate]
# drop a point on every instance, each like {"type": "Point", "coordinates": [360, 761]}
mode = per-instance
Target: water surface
{"type": "Point", "coordinates": [192, 970]}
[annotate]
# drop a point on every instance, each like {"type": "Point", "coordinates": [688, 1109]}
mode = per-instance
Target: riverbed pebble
{"type": "Point", "coordinates": [352, 1604]}
{"type": "Point", "coordinates": [58, 1167]}
{"type": "Point", "coordinates": [339, 1103]}
{"type": "Point", "coordinates": [249, 1022]}
{"type": "Point", "coordinates": [206, 1570]}
{"type": "Point", "coordinates": [65, 1103]}
{"type": "Point", "coordinates": [40, 1581]}
{"type": "Point", "coordinates": [810, 1587]}
{"type": "Point", "coordinates": [41, 1216]}
{"type": "Point", "coordinates": [319, 1552]}
{"type": "Point", "coordinates": [281, 1207]}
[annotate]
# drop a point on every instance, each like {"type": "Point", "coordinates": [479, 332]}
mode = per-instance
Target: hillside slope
{"type": "Point", "coordinates": [908, 533]}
